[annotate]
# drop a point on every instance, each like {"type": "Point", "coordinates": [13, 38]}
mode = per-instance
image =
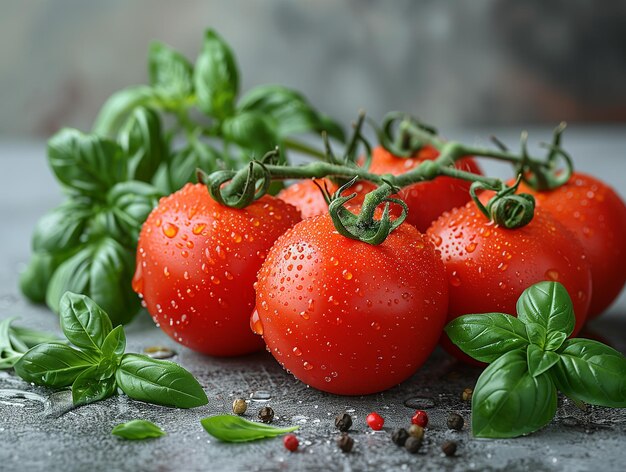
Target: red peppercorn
{"type": "Point", "coordinates": [291, 442]}
{"type": "Point", "coordinates": [375, 421]}
{"type": "Point", "coordinates": [420, 418]}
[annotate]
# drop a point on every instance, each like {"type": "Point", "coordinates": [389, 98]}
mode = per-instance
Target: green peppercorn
{"type": "Point", "coordinates": [343, 422]}
{"type": "Point", "coordinates": [239, 406]}
{"type": "Point", "coordinates": [466, 395]}
{"type": "Point", "coordinates": [455, 421]}
{"type": "Point", "coordinates": [416, 431]}
{"type": "Point", "coordinates": [399, 436]}
{"type": "Point", "coordinates": [345, 443]}
{"type": "Point", "coordinates": [449, 448]}
{"type": "Point", "coordinates": [266, 414]}
{"type": "Point", "coordinates": [413, 444]}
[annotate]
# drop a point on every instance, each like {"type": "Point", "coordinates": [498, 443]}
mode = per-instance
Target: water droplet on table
{"type": "Point", "coordinates": [159, 352]}
{"type": "Point", "coordinates": [419, 403]}
{"type": "Point", "coordinates": [261, 396]}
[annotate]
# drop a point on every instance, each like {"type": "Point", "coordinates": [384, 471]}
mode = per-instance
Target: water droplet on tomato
{"type": "Point", "coordinates": [255, 323]}
{"type": "Point", "coordinates": [137, 282]}
{"type": "Point", "coordinates": [347, 274]}
{"type": "Point", "coordinates": [198, 228]}
{"type": "Point", "coordinates": [166, 272]}
{"type": "Point", "coordinates": [375, 325]}
{"type": "Point", "coordinates": [455, 281]}
{"type": "Point", "coordinates": [297, 352]}
{"type": "Point", "coordinates": [552, 274]}
{"type": "Point", "coordinates": [228, 275]}
{"type": "Point", "coordinates": [170, 230]}
{"type": "Point", "coordinates": [471, 247]}
{"type": "Point", "coordinates": [307, 365]}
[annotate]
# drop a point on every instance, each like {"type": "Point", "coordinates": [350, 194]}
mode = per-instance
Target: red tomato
{"type": "Point", "coordinates": [595, 213]}
{"type": "Point", "coordinates": [197, 263]}
{"type": "Point", "coordinates": [488, 266]}
{"type": "Point", "coordinates": [308, 198]}
{"type": "Point", "coordinates": [347, 317]}
{"type": "Point", "coordinates": [426, 200]}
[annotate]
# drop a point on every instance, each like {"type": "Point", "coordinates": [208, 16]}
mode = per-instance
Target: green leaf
{"type": "Point", "coordinates": [61, 229]}
{"type": "Point", "coordinates": [555, 340]}
{"type": "Point", "coordinates": [119, 105]}
{"type": "Point", "coordinates": [85, 163]}
{"type": "Point", "coordinates": [159, 382]}
{"type": "Point", "coordinates": [130, 203]}
{"type": "Point", "coordinates": [591, 372]}
{"type": "Point", "coordinates": [114, 344]}
{"type": "Point", "coordinates": [540, 361]}
{"type": "Point", "coordinates": [89, 388]}
{"type": "Point", "coordinates": [252, 131]}
{"type": "Point", "coordinates": [171, 74]}
{"type": "Point", "coordinates": [509, 402]}
{"type": "Point", "coordinates": [138, 429]}
{"type": "Point", "coordinates": [35, 278]}
{"type": "Point", "coordinates": [182, 167]}
{"type": "Point", "coordinates": [142, 141]}
{"type": "Point", "coordinates": [487, 336]}
{"type": "Point", "coordinates": [53, 365]}
{"type": "Point", "coordinates": [536, 334]}
{"type": "Point", "coordinates": [290, 110]}
{"type": "Point", "coordinates": [547, 304]}
{"type": "Point", "coordinates": [32, 337]}
{"type": "Point", "coordinates": [230, 428]}
{"type": "Point", "coordinates": [216, 78]}
{"type": "Point", "coordinates": [83, 322]}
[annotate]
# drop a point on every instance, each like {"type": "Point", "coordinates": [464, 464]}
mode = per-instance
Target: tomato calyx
{"type": "Point", "coordinates": [505, 208]}
{"type": "Point", "coordinates": [396, 134]}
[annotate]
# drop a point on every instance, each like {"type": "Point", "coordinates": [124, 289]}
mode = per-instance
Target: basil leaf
{"type": "Point", "coordinates": [555, 340]}
{"type": "Point", "coordinates": [290, 110]}
{"type": "Point", "coordinates": [88, 388]}
{"type": "Point", "coordinates": [142, 141]}
{"type": "Point", "coordinates": [591, 372]}
{"type": "Point", "coordinates": [30, 337]}
{"type": "Point", "coordinates": [62, 228]}
{"type": "Point", "coordinates": [487, 336]}
{"type": "Point", "coordinates": [182, 167]}
{"type": "Point", "coordinates": [251, 131]}
{"type": "Point", "coordinates": [34, 280]}
{"type": "Point", "coordinates": [130, 204]}
{"type": "Point", "coordinates": [138, 429]}
{"type": "Point", "coordinates": [540, 361]}
{"type": "Point", "coordinates": [547, 304]}
{"type": "Point", "coordinates": [536, 334]}
{"type": "Point", "coordinates": [84, 163]}
{"type": "Point", "coordinates": [83, 322]}
{"type": "Point", "coordinates": [159, 382]}
{"type": "Point", "coordinates": [114, 344]}
{"type": "Point", "coordinates": [119, 105]}
{"type": "Point", "coordinates": [235, 429]}
{"type": "Point", "coordinates": [508, 401]}
{"type": "Point", "coordinates": [52, 365]}
{"type": "Point", "coordinates": [216, 78]}
{"type": "Point", "coordinates": [171, 74]}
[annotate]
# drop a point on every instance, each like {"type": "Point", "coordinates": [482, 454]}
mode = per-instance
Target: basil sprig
{"type": "Point", "coordinates": [530, 358]}
{"type": "Point", "coordinates": [95, 364]}
{"type": "Point", "coordinates": [231, 428]}
{"type": "Point", "coordinates": [138, 429]}
{"type": "Point", "coordinates": [16, 340]}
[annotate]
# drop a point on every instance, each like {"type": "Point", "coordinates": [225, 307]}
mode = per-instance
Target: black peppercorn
{"type": "Point", "coordinates": [449, 448]}
{"type": "Point", "coordinates": [400, 436]}
{"type": "Point", "coordinates": [412, 444]}
{"type": "Point", "coordinates": [345, 443]}
{"type": "Point", "coordinates": [343, 422]}
{"type": "Point", "coordinates": [266, 414]}
{"type": "Point", "coordinates": [455, 421]}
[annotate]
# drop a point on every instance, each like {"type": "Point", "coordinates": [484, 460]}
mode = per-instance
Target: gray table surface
{"type": "Point", "coordinates": [37, 433]}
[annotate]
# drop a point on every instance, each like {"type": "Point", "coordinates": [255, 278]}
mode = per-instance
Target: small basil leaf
{"type": "Point", "coordinates": [487, 336]}
{"type": "Point", "coordinates": [142, 141]}
{"type": "Point", "coordinates": [88, 388]}
{"type": "Point", "coordinates": [509, 402]}
{"type": "Point", "coordinates": [230, 428]}
{"type": "Point", "coordinates": [106, 367]}
{"type": "Point", "coordinates": [34, 280]}
{"type": "Point", "coordinates": [591, 372]}
{"type": "Point", "coordinates": [130, 204]}
{"type": "Point", "coordinates": [536, 334]}
{"type": "Point", "coordinates": [83, 322]}
{"type": "Point", "coordinates": [555, 340]}
{"type": "Point", "coordinates": [539, 361]}
{"type": "Point", "coordinates": [216, 79]}
{"type": "Point", "coordinates": [159, 382]}
{"type": "Point", "coordinates": [290, 110]}
{"type": "Point", "coordinates": [52, 365]}
{"type": "Point", "coordinates": [114, 344]}
{"type": "Point", "coordinates": [62, 228]}
{"type": "Point", "coordinates": [85, 163]}
{"type": "Point", "coordinates": [547, 304]}
{"type": "Point", "coordinates": [138, 429]}
{"type": "Point", "coordinates": [252, 131]}
{"type": "Point", "coordinates": [119, 105]}
{"type": "Point", "coordinates": [171, 74]}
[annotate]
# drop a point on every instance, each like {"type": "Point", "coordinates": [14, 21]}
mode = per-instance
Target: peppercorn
{"type": "Point", "coordinates": [416, 431]}
{"type": "Point", "coordinates": [400, 436]}
{"type": "Point", "coordinates": [466, 395]}
{"type": "Point", "coordinates": [455, 421]}
{"type": "Point", "coordinates": [291, 442]}
{"type": "Point", "coordinates": [239, 406]}
{"type": "Point", "coordinates": [420, 418]}
{"type": "Point", "coordinates": [449, 448]}
{"type": "Point", "coordinates": [375, 421]}
{"type": "Point", "coordinates": [343, 422]}
{"type": "Point", "coordinates": [345, 442]}
{"type": "Point", "coordinates": [413, 444]}
{"type": "Point", "coordinates": [266, 414]}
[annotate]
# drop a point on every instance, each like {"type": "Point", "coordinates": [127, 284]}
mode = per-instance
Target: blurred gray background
{"type": "Point", "coordinates": [459, 64]}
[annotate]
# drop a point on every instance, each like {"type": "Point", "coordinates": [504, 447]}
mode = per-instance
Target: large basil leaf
{"type": "Point", "coordinates": [53, 365]}
{"type": "Point", "coordinates": [85, 163]}
{"type": "Point", "coordinates": [34, 280]}
{"type": "Point", "coordinates": [591, 372]}
{"type": "Point", "coordinates": [142, 141]}
{"type": "Point", "coordinates": [89, 387]}
{"type": "Point", "coordinates": [216, 79]}
{"type": "Point", "coordinates": [229, 428]}
{"type": "Point", "coordinates": [83, 322]}
{"type": "Point", "coordinates": [549, 305]}
{"type": "Point", "coordinates": [160, 382]}
{"type": "Point", "coordinates": [508, 401]}
{"type": "Point", "coordinates": [252, 131]}
{"type": "Point", "coordinates": [171, 74]}
{"type": "Point", "coordinates": [61, 229]}
{"type": "Point", "coordinates": [290, 110]}
{"type": "Point", "coordinates": [129, 203]}
{"type": "Point", "coordinates": [119, 105]}
{"type": "Point", "coordinates": [488, 336]}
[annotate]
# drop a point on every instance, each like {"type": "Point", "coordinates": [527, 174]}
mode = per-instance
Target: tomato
{"type": "Point", "coordinates": [307, 197]}
{"type": "Point", "coordinates": [347, 317]}
{"type": "Point", "coordinates": [488, 267]}
{"type": "Point", "coordinates": [426, 200]}
{"type": "Point", "coordinates": [595, 213]}
{"type": "Point", "coordinates": [197, 263]}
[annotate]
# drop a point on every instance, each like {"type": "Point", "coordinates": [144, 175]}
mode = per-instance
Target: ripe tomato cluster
{"type": "Point", "coordinates": [351, 318]}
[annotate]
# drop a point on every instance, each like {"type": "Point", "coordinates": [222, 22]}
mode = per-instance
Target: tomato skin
{"type": "Point", "coordinates": [346, 317]}
{"type": "Point", "coordinates": [488, 267]}
{"type": "Point", "coordinates": [197, 263]}
{"type": "Point", "coordinates": [596, 214]}
{"type": "Point", "coordinates": [426, 200]}
{"type": "Point", "coordinates": [307, 197]}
